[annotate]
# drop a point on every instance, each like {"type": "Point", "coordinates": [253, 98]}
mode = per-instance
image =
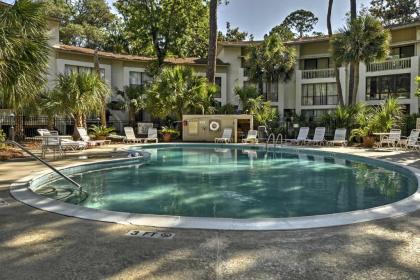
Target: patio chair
{"type": "Point", "coordinates": [251, 137]}
{"type": "Point", "coordinates": [53, 143]}
{"type": "Point", "coordinates": [226, 137]}
{"type": "Point", "coordinates": [302, 136]}
{"type": "Point", "coordinates": [339, 137]}
{"type": "Point", "coordinates": [152, 135]}
{"type": "Point", "coordinates": [86, 138]}
{"type": "Point", "coordinates": [393, 139]}
{"type": "Point", "coordinates": [410, 141]}
{"type": "Point", "coordinates": [130, 137]}
{"type": "Point", "coordinates": [319, 137]}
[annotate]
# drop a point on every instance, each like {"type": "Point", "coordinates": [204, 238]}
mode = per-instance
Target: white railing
{"type": "Point", "coordinates": [394, 64]}
{"type": "Point", "coordinates": [318, 74]}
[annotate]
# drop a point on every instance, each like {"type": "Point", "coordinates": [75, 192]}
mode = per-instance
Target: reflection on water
{"type": "Point", "coordinates": [243, 183]}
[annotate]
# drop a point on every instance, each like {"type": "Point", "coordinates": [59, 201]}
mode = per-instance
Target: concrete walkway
{"type": "Point", "coordinates": [39, 245]}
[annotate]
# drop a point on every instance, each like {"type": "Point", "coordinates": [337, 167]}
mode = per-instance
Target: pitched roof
{"type": "Point", "coordinates": [128, 57]}
{"type": "Point", "coordinates": [309, 39]}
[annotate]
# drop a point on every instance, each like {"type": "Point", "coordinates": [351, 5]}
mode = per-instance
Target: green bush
{"type": "Point", "coordinates": [3, 138]}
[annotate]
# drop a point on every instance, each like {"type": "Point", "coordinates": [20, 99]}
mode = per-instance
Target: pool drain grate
{"type": "Point", "coordinates": [151, 234]}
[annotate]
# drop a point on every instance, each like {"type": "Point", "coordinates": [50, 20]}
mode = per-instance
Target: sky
{"type": "Point", "coordinates": [257, 17]}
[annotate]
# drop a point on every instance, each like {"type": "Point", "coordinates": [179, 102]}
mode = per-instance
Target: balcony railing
{"type": "Point", "coordinates": [395, 64]}
{"type": "Point", "coordinates": [318, 74]}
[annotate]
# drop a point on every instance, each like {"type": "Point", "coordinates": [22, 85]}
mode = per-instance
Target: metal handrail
{"type": "Point", "coordinates": [268, 140]}
{"type": "Point", "coordinates": [79, 187]}
{"type": "Point", "coordinates": [277, 140]}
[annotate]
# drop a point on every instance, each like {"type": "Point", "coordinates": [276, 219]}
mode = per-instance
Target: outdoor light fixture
{"type": "Point", "coordinates": [12, 128]}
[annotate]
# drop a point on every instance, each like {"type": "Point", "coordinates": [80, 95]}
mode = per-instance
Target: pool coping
{"type": "Point", "coordinates": [21, 191]}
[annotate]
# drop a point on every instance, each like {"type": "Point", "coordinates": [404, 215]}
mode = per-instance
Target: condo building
{"type": "Point", "coordinates": [311, 91]}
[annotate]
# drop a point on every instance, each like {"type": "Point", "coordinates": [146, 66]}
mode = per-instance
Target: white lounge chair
{"type": "Point", "coordinates": [130, 137]}
{"type": "Point", "coordinates": [86, 138]}
{"type": "Point", "coordinates": [251, 137]}
{"type": "Point", "coordinates": [302, 136]}
{"type": "Point", "coordinates": [66, 142]}
{"type": "Point", "coordinates": [392, 139]}
{"type": "Point", "coordinates": [226, 137]}
{"type": "Point", "coordinates": [152, 135]}
{"type": "Point", "coordinates": [339, 137]}
{"type": "Point", "coordinates": [410, 141]}
{"type": "Point", "coordinates": [319, 137]}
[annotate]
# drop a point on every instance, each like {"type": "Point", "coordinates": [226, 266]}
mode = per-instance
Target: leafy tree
{"type": "Point", "coordinates": [270, 62]}
{"type": "Point", "coordinates": [361, 40]}
{"type": "Point", "coordinates": [233, 34]}
{"type": "Point", "coordinates": [301, 21]}
{"type": "Point", "coordinates": [24, 54]}
{"type": "Point", "coordinates": [418, 86]}
{"type": "Point", "coordinates": [84, 23]}
{"type": "Point", "coordinates": [336, 71]}
{"type": "Point", "coordinates": [283, 31]}
{"type": "Point", "coordinates": [395, 11]}
{"type": "Point", "coordinates": [79, 94]}
{"type": "Point", "coordinates": [178, 91]}
{"type": "Point", "coordinates": [165, 27]}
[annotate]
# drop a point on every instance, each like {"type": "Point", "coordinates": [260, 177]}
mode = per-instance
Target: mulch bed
{"type": "Point", "coordinates": [10, 153]}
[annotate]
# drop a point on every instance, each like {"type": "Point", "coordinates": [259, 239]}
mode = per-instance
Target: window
{"type": "Point", "coordinates": [382, 87]}
{"type": "Point", "coordinates": [218, 82]}
{"type": "Point", "coordinates": [68, 68]}
{"type": "Point", "coordinates": [316, 63]}
{"type": "Point", "coordinates": [403, 52]}
{"type": "Point", "coordinates": [138, 78]}
{"type": "Point", "coordinates": [271, 91]}
{"type": "Point", "coordinates": [319, 94]}
{"type": "Point", "coordinates": [314, 114]}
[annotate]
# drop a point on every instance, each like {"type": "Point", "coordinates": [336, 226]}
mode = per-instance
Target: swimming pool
{"type": "Point", "coordinates": [237, 182]}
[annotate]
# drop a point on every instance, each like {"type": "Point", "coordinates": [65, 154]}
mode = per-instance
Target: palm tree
{"type": "Point", "coordinates": [245, 94]}
{"type": "Point", "coordinates": [134, 96]}
{"type": "Point", "coordinates": [78, 94]}
{"type": "Point", "coordinates": [336, 71]}
{"type": "Point", "coordinates": [177, 91]}
{"type": "Point", "coordinates": [361, 40]}
{"type": "Point", "coordinates": [211, 64]}
{"type": "Point", "coordinates": [24, 54]}
{"type": "Point", "coordinates": [270, 62]}
{"type": "Point", "coordinates": [353, 16]}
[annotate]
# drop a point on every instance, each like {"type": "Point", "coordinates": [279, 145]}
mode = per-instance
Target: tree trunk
{"type": "Point", "coordinates": [19, 128]}
{"type": "Point", "coordinates": [356, 81]}
{"type": "Point", "coordinates": [353, 15]}
{"type": "Point", "coordinates": [211, 64]}
{"type": "Point", "coordinates": [98, 72]}
{"type": "Point", "coordinates": [336, 71]}
{"type": "Point", "coordinates": [78, 122]}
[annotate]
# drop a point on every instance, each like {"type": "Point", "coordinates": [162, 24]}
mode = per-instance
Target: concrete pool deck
{"type": "Point", "coordinates": [35, 244]}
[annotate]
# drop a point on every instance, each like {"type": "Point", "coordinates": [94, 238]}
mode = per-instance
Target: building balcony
{"type": "Point", "coordinates": [318, 74]}
{"type": "Point", "coordinates": [395, 64]}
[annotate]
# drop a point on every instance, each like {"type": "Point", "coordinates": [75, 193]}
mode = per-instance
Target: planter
{"type": "Point", "coordinates": [167, 137]}
{"type": "Point", "coordinates": [100, 137]}
{"type": "Point", "coordinates": [368, 141]}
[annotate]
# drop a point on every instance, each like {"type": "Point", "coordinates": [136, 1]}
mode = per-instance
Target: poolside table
{"type": "Point", "coordinates": [382, 136]}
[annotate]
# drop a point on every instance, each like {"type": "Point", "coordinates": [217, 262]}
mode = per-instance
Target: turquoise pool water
{"type": "Point", "coordinates": [208, 181]}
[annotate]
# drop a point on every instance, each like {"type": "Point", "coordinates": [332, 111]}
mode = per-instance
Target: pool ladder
{"type": "Point", "coordinates": [78, 186]}
{"type": "Point", "coordinates": [275, 140]}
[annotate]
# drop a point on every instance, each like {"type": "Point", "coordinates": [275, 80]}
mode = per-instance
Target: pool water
{"type": "Point", "coordinates": [204, 181]}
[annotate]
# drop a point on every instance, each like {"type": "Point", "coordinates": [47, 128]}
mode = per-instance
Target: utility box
{"type": "Point", "coordinates": [205, 128]}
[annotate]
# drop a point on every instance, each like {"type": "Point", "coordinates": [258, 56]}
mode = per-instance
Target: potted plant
{"type": "Point", "coordinates": [377, 119]}
{"type": "Point", "coordinates": [168, 133]}
{"type": "Point", "coordinates": [100, 132]}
